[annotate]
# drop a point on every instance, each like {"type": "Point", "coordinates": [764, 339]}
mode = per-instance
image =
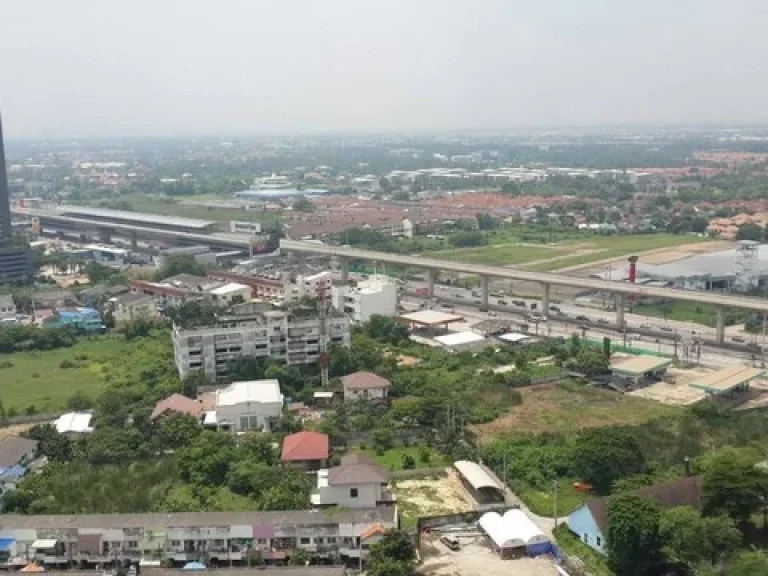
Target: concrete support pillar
{"type": "Point", "coordinates": [431, 277]}
{"type": "Point", "coordinates": [485, 291]}
{"type": "Point", "coordinates": [545, 300]}
{"type": "Point", "coordinates": [134, 241]}
{"type": "Point", "coordinates": [344, 268]}
{"type": "Point", "coordinates": [720, 333]}
{"type": "Point", "coordinates": [620, 311]}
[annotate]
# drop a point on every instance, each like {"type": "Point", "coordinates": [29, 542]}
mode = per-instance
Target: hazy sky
{"type": "Point", "coordinates": [178, 67]}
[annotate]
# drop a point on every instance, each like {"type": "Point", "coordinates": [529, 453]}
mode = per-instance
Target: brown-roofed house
{"type": "Point", "coordinates": [358, 482]}
{"type": "Point", "coordinates": [177, 403]}
{"type": "Point", "coordinates": [17, 450]}
{"type": "Point", "coordinates": [590, 520]}
{"type": "Point", "coordinates": [365, 385]}
{"type": "Point", "coordinates": [308, 449]}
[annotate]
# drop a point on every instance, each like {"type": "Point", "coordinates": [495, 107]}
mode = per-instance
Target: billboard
{"type": "Point", "coordinates": [263, 244]}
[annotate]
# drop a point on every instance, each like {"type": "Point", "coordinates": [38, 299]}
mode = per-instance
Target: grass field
{"type": "Point", "coordinates": [567, 406]}
{"type": "Point", "coordinates": [500, 254]}
{"type": "Point", "coordinates": [596, 564]}
{"type": "Point", "coordinates": [542, 503]}
{"type": "Point", "coordinates": [37, 378]}
{"type": "Point", "coordinates": [608, 247]}
{"type": "Point", "coordinates": [393, 459]}
{"type": "Point", "coordinates": [689, 312]}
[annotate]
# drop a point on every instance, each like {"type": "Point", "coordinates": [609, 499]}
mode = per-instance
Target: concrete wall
{"type": "Point", "coordinates": [367, 495]}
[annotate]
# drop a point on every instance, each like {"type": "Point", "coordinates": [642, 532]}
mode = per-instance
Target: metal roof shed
{"type": "Point", "coordinates": [479, 480]}
{"type": "Point", "coordinates": [640, 365]}
{"type": "Point", "coordinates": [727, 379]}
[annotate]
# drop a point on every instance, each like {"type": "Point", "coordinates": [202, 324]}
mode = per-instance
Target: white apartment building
{"type": "Point", "coordinates": [275, 334]}
{"type": "Point", "coordinates": [252, 405]}
{"type": "Point", "coordinates": [309, 286]}
{"type": "Point", "coordinates": [7, 307]}
{"type": "Point", "coordinates": [376, 295]}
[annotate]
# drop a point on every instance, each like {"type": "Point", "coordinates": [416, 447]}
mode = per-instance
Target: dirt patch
{"type": "Point", "coordinates": [16, 429]}
{"type": "Point", "coordinates": [433, 496]}
{"type": "Point", "coordinates": [567, 406]}
{"type": "Point", "coordinates": [477, 559]}
{"type": "Point", "coordinates": [681, 252]}
{"type": "Point", "coordinates": [675, 389]}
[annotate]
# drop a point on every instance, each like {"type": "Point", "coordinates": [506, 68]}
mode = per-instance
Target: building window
{"type": "Point", "coordinates": [353, 492]}
{"type": "Point", "coordinates": [175, 543]}
{"type": "Point", "coordinates": [244, 422]}
{"type": "Point", "coordinates": [598, 541]}
{"type": "Point", "coordinates": [219, 543]}
{"type": "Point", "coordinates": [331, 540]}
{"type": "Point", "coordinates": [586, 538]}
{"type": "Point", "coordinates": [261, 541]}
{"type": "Point", "coordinates": [318, 540]}
{"type": "Point", "coordinates": [304, 541]}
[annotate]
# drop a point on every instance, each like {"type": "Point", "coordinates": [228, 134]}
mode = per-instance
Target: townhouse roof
{"type": "Point", "coordinates": [305, 446]}
{"type": "Point", "coordinates": [132, 298]}
{"type": "Point", "coordinates": [14, 448]}
{"type": "Point", "coordinates": [384, 514]}
{"type": "Point", "coordinates": [357, 468]}
{"type": "Point", "coordinates": [177, 403]}
{"type": "Point", "coordinates": [685, 491]}
{"type": "Point", "coordinates": [364, 381]}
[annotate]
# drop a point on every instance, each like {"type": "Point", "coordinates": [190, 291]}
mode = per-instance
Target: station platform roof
{"type": "Point", "coordinates": [430, 318]}
{"type": "Point", "coordinates": [726, 379]}
{"type": "Point", "coordinates": [640, 365]}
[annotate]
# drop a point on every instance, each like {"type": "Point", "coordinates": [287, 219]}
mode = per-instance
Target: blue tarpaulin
{"type": "Point", "coordinates": [194, 566]}
{"type": "Point", "coordinates": [6, 543]}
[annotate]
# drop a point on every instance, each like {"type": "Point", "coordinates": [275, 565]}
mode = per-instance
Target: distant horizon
{"type": "Point", "coordinates": [572, 130]}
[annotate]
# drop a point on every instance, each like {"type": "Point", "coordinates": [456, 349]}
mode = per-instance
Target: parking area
{"type": "Point", "coordinates": [475, 558]}
{"type": "Point", "coordinates": [674, 389]}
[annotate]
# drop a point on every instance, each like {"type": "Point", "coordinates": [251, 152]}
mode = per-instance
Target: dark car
{"type": "Point", "coordinates": [519, 303]}
{"type": "Point", "coordinates": [602, 321]}
{"type": "Point", "coordinates": [666, 329]}
{"type": "Point", "coordinates": [555, 308]}
{"type": "Point", "coordinates": [451, 543]}
{"type": "Point", "coordinates": [502, 302]}
{"type": "Point", "coordinates": [582, 318]}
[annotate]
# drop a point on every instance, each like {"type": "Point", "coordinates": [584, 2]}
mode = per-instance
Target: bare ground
{"type": "Point", "coordinates": [433, 496]}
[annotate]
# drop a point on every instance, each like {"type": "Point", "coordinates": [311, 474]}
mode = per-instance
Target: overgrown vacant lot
{"type": "Point", "coordinates": [569, 406]}
{"type": "Point", "coordinates": [46, 379]}
{"type": "Point", "coordinates": [500, 254]}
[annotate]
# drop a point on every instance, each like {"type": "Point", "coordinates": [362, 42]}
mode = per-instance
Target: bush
{"type": "Point", "coordinates": [408, 462]}
{"type": "Point", "coordinates": [424, 455]}
{"type": "Point", "coordinates": [6, 364]}
{"type": "Point", "coordinates": [30, 410]}
{"type": "Point", "coordinates": [64, 364]}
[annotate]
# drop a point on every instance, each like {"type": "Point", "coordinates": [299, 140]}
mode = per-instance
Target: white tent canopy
{"type": "Point", "coordinates": [513, 530]}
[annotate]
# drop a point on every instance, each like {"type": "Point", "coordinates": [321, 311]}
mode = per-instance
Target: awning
{"type": "Point", "coordinates": [6, 543]}
{"type": "Point", "coordinates": [44, 544]}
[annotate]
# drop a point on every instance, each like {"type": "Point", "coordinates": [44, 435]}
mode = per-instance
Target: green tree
{"type": "Point", "coordinates": [177, 430]}
{"type": "Point", "coordinates": [633, 535]}
{"type": "Point", "coordinates": [386, 330]}
{"type": "Point", "coordinates": [207, 460]}
{"type": "Point", "coordinates": [393, 555]}
{"type": "Point", "coordinates": [79, 401]}
{"type": "Point", "coordinates": [193, 382]}
{"type": "Point", "coordinates": [691, 539]}
{"type": "Point", "coordinates": [180, 264]}
{"type": "Point", "coordinates": [303, 204]}
{"type": "Point", "coordinates": [751, 563]}
{"type": "Point", "coordinates": [382, 439]}
{"type": "Point", "coordinates": [56, 447]}
{"type": "Point", "coordinates": [750, 232]}
{"type": "Point", "coordinates": [604, 455]}
{"type": "Point", "coordinates": [298, 557]}
{"type": "Point", "coordinates": [487, 222]}
{"type": "Point", "coordinates": [732, 485]}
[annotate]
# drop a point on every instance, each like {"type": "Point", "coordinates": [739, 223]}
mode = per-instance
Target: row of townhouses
{"type": "Point", "coordinates": [208, 537]}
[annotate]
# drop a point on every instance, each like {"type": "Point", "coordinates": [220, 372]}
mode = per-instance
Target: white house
{"type": "Point", "coordinates": [376, 295]}
{"type": "Point", "coordinates": [251, 405]}
{"type": "Point", "coordinates": [365, 386]}
{"type": "Point", "coordinates": [7, 307]}
{"type": "Point", "coordinates": [358, 482]}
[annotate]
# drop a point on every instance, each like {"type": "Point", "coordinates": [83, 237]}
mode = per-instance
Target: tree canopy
{"type": "Point", "coordinates": [633, 535]}
{"type": "Point", "coordinates": [604, 455]}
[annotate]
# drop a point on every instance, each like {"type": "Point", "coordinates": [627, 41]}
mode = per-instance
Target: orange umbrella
{"type": "Point", "coordinates": [32, 567]}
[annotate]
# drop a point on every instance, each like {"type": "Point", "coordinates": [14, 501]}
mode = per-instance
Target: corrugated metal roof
{"type": "Point", "coordinates": [476, 475]}
{"type": "Point", "coordinates": [641, 365]}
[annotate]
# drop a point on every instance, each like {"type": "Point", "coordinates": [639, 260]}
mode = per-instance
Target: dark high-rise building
{"type": "Point", "coordinates": [5, 197]}
{"type": "Point", "coordinates": [17, 262]}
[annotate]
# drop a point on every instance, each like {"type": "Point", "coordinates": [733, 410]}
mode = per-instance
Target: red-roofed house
{"type": "Point", "coordinates": [177, 403]}
{"type": "Point", "coordinates": [308, 449]}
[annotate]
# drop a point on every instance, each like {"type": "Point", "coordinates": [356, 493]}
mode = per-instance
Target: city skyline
{"type": "Point", "coordinates": [182, 69]}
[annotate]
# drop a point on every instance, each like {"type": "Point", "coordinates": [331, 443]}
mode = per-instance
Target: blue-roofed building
{"type": "Point", "coordinates": [81, 319]}
{"type": "Point", "coordinates": [9, 479]}
{"type": "Point", "coordinates": [6, 547]}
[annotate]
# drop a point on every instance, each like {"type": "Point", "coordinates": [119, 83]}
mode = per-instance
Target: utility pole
{"type": "Point", "coordinates": [554, 500]}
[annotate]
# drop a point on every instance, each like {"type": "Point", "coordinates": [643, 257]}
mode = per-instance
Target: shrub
{"type": "Point", "coordinates": [64, 364]}
{"type": "Point", "coordinates": [408, 462]}
{"type": "Point", "coordinates": [424, 454]}
{"type": "Point", "coordinates": [6, 364]}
